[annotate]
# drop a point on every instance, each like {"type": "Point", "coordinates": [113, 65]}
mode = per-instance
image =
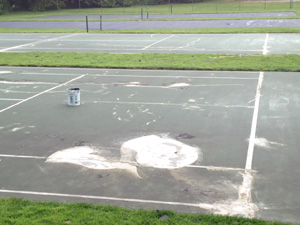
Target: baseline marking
{"type": "Point", "coordinates": [27, 99]}
{"type": "Point", "coordinates": [254, 123]}
{"type": "Point", "coordinates": [22, 156]}
{"type": "Point", "coordinates": [158, 42]}
{"type": "Point", "coordinates": [201, 205]}
{"type": "Point", "coordinates": [36, 42]}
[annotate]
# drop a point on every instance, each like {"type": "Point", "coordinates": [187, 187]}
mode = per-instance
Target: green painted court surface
{"type": "Point", "coordinates": [153, 43]}
{"type": "Point", "coordinates": [244, 123]}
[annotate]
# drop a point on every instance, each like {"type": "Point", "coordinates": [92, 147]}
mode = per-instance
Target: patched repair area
{"type": "Point", "coordinates": [189, 141]}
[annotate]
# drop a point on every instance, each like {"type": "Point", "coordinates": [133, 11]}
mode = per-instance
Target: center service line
{"type": "Point", "coordinates": [158, 42]}
{"type": "Point", "coordinates": [254, 123]}
{"type": "Point", "coordinates": [265, 47]}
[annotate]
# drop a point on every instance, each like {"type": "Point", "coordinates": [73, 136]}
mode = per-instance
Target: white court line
{"type": "Point", "coordinates": [265, 47]}
{"type": "Point", "coordinates": [141, 76]}
{"type": "Point", "coordinates": [10, 99]}
{"type": "Point", "coordinates": [254, 123]}
{"type": "Point", "coordinates": [200, 205]}
{"type": "Point", "coordinates": [27, 99]}
{"type": "Point", "coordinates": [37, 42]}
{"type": "Point", "coordinates": [158, 42]}
{"type": "Point", "coordinates": [22, 156]}
{"type": "Point", "coordinates": [50, 74]}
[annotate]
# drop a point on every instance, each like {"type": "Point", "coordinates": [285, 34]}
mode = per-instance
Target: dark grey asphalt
{"type": "Point", "coordinates": [120, 25]}
{"type": "Point", "coordinates": [172, 16]}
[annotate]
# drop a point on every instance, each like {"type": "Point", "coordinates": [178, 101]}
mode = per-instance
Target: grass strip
{"type": "Point", "coordinates": [18, 211]}
{"type": "Point", "coordinates": [285, 63]}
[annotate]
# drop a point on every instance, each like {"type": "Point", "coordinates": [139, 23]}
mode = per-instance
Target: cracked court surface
{"type": "Point", "coordinates": [263, 44]}
{"type": "Point", "coordinates": [244, 126]}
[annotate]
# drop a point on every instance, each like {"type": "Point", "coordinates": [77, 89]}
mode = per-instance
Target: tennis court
{"type": "Point", "coordinates": [242, 125]}
{"type": "Point", "coordinates": [153, 43]}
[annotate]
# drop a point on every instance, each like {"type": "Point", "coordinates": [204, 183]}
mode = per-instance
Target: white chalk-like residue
{"type": "Point", "coordinates": [243, 205]}
{"type": "Point", "coordinates": [154, 151]}
{"type": "Point", "coordinates": [90, 158]}
{"type": "Point", "coordinates": [5, 72]}
{"type": "Point", "coordinates": [180, 85]}
{"type": "Point", "coordinates": [16, 129]}
{"type": "Point", "coordinates": [264, 143]}
{"type": "Point", "coordinates": [149, 151]}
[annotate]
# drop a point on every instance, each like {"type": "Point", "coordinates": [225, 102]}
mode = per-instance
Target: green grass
{"type": "Point", "coordinates": [206, 7]}
{"type": "Point", "coordinates": [155, 61]}
{"type": "Point", "coordinates": [17, 211]}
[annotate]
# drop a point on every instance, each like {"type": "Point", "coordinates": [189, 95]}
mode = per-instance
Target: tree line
{"type": "Point", "coordinates": [42, 5]}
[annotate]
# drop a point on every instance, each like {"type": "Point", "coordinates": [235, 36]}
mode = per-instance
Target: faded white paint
{"type": "Point", "coordinates": [180, 85]}
{"type": "Point", "coordinates": [264, 143]}
{"type": "Point", "coordinates": [149, 151]}
{"type": "Point", "coordinates": [90, 158]}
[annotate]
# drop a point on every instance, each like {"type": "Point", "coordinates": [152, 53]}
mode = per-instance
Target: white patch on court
{"type": "Point", "coordinates": [158, 152]}
{"type": "Point", "coordinates": [264, 143]}
{"type": "Point", "coordinates": [180, 85]}
{"type": "Point", "coordinates": [5, 72]}
{"type": "Point", "coordinates": [90, 158]}
{"type": "Point", "coordinates": [243, 205]}
{"type": "Point", "coordinates": [148, 151]}
{"type": "Point", "coordinates": [16, 129]}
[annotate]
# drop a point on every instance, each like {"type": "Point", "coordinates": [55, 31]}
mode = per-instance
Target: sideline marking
{"type": "Point", "coordinates": [265, 47]}
{"type": "Point", "coordinates": [201, 205]}
{"type": "Point", "coordinates": [27, 99]}
{"type": "Point", "coordinates": [254, 123]}
{"type": "Point", "coordinates": [23, 156]}
{"type": "Point", "coordinates": [36, 42]}
{"type": "Point", "coordinates": [158, 42]}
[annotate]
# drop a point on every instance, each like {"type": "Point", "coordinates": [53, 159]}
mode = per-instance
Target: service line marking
{"type": "Point", "coordinates": [158, 42]}
{"type": "Point", "coordinates": [254, 123]}
{"type": "Point", "coordinates": [43, 92]}
{"type": "Point", "coordinates": [36, 42]}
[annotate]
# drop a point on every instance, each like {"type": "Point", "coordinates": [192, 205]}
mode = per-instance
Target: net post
{"type": "Point", "coordinates": [100, 22]}
{"type": "Point", "coordinates": [87, 24]}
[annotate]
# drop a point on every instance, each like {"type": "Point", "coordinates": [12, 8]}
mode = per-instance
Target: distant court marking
{"type": "Point", "coordinates": [141, 76]}
{"type": "Point", "coordinates": [50, 74]}
{"type": "Point", "coordinates": [254, 123]}
{"type": "Point", "coordinates": [158, 42]}
{"type": "Point", "coordinates": [37, 42]}
{"type": "Point", "coordinates": [265, 47]}
{"type": "Point", "coordinates": [201, 205]}
{"type": "Point", "coordinates": [27, 99]}
{"type": "Point", "coordinates": [174, 77]}
{"type": "Point", "coordinates": [10, 99]}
